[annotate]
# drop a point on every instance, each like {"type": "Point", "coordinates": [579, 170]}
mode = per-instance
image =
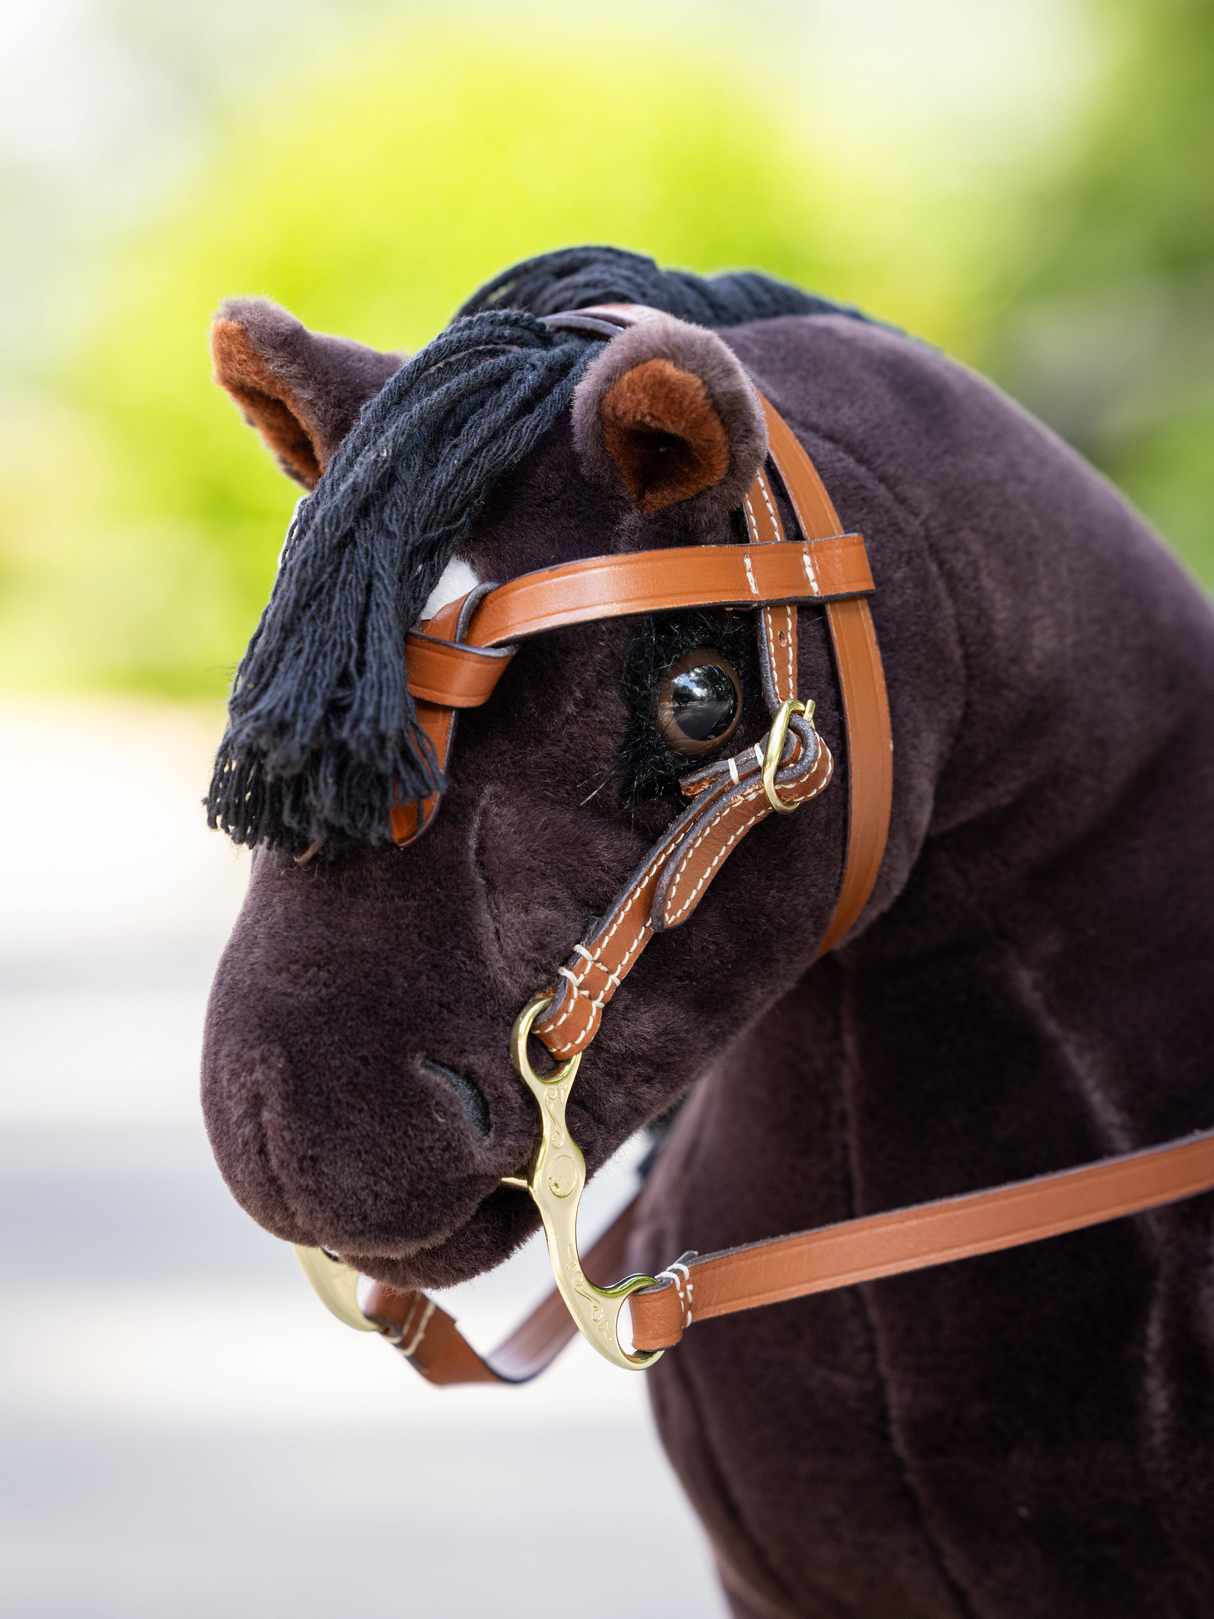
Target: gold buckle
{"type": "Point", "coordinates": [556, 1179]}
{"type": "Point", "coordinates": [775, 747]}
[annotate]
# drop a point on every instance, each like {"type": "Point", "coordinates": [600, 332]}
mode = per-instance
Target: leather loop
{"type": "Point", "coordinates": [458, 676]}
{"type": "Point", "coordinates": [447, 674]}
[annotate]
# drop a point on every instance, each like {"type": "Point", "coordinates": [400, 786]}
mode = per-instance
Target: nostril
{"type": "Point", "coordinates": [475, 1105]}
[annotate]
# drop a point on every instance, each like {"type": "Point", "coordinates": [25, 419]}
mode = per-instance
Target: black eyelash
{"type": "Point", "coordinates": [647, 768]}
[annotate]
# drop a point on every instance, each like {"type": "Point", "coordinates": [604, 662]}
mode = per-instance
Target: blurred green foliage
{"type": "Point", "coordinates": [372, 192]}
{"type": "Point", "coordinates": [1108, 329]}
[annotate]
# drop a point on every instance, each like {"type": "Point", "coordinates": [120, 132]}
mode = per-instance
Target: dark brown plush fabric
{"type": "Point", "coordinates": [666, 411]}
{"type": "Point", "coordinates": [1024, 1436]}
{"type": "Point", "coordinates": [301, 390]}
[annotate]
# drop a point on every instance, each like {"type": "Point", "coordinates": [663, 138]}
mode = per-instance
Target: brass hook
{"type": "Point", "coordinates": [556, 1179]}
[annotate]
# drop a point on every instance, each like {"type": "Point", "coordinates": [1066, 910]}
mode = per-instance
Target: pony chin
{"type": "Point", "coordinates": [503, 1221]}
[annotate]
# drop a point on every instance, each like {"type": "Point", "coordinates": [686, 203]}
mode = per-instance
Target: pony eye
{"type": "Point", "coordinates": [699, 703]}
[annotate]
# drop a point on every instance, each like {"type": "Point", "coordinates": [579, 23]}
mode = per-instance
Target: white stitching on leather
{"type": "Point", "coordinates": [768, 622]}
{"type": "Point", "coordinates": [790, 620]}
{"type": "Point", "coordinates": [672, 917]}
{"type": "Point", "coordinates": [409, 1348]}
{"type": "Point", "coordinates": [592, 959]}
{"type": "Point", "coordinates": [775, 521]}
{"type": "Point", "coordinates": [750, 792]}
{"type": "Point", "coordinates": [809, 571]}
{"type": "Point", "coordinates": [671, 1274]}
{"type": "Point", "coordinates": [733, 771]}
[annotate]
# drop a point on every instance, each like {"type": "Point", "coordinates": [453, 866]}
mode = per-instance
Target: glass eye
{"type": "Point", "coordinates": [699, 702]}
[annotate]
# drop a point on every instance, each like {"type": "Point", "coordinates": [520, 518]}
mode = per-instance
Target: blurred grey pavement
{"type": "Point", "coordinates": [182, 1428]}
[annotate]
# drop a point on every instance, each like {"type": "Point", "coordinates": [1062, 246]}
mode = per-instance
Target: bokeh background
{"type": "Point", "coordinates": [1028, 184]}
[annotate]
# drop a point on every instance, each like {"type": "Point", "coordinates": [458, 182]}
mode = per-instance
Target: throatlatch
{"type": "Point", "coordinates": [454, 662]}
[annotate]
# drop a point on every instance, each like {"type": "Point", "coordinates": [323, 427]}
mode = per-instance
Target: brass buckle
{"type": "Point", "coordinates": [775, 747]}
{"type": "Point", "coordinates": [556, 1179]}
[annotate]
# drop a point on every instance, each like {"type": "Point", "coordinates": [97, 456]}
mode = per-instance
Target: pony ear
{"type": "Point", "coordinates": [667, 412]}
{"type": "Point", "coordinates": [301, 390]}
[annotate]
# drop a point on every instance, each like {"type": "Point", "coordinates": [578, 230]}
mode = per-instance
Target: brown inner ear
{"type": "Point", "coordinates": [267, 402]}
{"type": "Point", "coordinates": [664, 435]}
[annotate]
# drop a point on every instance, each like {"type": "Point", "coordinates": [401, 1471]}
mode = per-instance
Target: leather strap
{"type": "Point", "coordinates": [924, 1235]}
{"type": "Point", "coordinates": [428, 1338]}
{"type": "Point", "coordinates": [728, 798]}
{"type": "Point", "coordinates": [445, 683]}
{"type": "Point", "coordinates": [457, 676]}
{"type": "Point", "coordinates": [862, 685]}
{"type": "Point", "coordinates": [463, 672]}
{"type": "Point", "coordinates": [819, 1261]}
{"type": "Point", "coordinates": [667, 581]}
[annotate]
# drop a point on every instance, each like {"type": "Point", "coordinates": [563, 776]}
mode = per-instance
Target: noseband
{"type": "Point", "coordinates": [454, 662]}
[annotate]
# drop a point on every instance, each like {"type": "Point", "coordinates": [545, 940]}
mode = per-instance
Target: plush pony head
{"type": "Point", "coordinates": [357, 1086]}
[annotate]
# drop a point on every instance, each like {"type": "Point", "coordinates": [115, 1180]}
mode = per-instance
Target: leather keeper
{"type": "Point", "coordinates": [452, 675]}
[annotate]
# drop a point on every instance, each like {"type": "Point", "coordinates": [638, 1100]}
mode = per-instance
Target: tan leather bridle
{"type": "Point", "coordinates": [454, 662]}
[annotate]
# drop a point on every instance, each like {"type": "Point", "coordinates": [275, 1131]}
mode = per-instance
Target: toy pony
{"type": "Point", "coordinates": [563, 521]}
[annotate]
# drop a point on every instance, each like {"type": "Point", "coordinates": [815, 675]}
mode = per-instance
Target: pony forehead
{"type": "Point", "coordinates": [456, 580]}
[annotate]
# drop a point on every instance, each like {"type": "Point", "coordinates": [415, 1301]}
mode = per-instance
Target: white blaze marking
{"type": "Point", "coordinates": [457, 580]}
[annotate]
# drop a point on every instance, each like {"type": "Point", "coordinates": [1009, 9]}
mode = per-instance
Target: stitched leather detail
{"type": "Point", "coordinates": [861, 681]}
{"type": "Point", "coordinates": [715, 833]}
{"type": "Point", "coordinates": [664, 581]}
{"type": "Point", "coordinates": [777, 625]}
{"type": "Point", "coordinates": [607, 954]}
{"type": "Point", "coordinates": [693, 849]}
{"type": "Point", "coordinates": [616, 587]}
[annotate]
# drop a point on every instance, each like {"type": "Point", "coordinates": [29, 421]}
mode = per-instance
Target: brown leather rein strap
{"type": "Point", "coordinates": [915, 1238]}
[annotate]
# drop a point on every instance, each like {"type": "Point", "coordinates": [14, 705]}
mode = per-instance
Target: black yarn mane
{"type": "Point", "coordinates": [322, 735]}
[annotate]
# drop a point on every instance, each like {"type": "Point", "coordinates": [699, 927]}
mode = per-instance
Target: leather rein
{"type": "Point", "coordinates": [454, 661]}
